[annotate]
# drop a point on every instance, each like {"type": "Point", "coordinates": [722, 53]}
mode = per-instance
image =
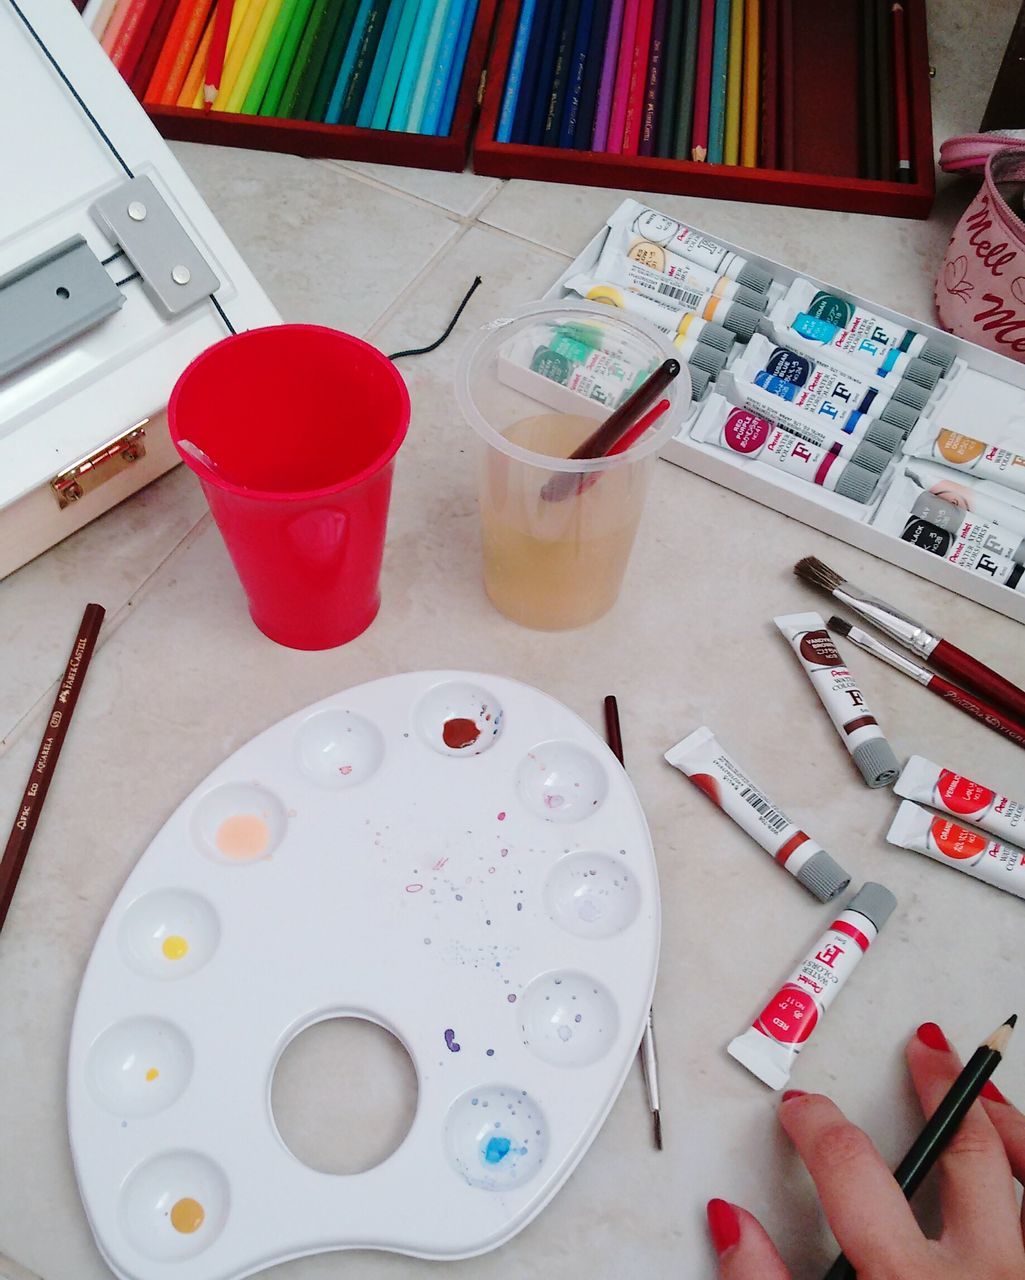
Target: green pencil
{"type": "Point", "coordinates": [329, 71]}
{"type": "Point", "coordinates": [300, 67]}
{"type": "Point", "coordinates": [665, 135]}
{"type": "Point", "coordinates": [254, 95]}
{"type": "Point", "coordinates": [271, 105]}
{"type": "Point", "coordinates": [390, 84]}
{"type": "Point", "coordinates": [688, 71]}
{"type": "Point", "coordinates": [353, 99]}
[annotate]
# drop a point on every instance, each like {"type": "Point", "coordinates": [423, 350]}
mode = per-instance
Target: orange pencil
{"type": "Point", "coordinates": [193, 86]}
{"type": "Point", "coordinates": [218, 48]}
{"type": "Point", "coordinates": [176, 55]}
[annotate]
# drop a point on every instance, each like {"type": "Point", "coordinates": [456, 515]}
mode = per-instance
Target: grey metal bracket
{"type": "Point", "coordinates": [51, 299]}
{"type": "Point", "coordinates": [173, 270]}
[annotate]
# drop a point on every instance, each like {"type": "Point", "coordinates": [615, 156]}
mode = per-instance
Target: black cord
{"type": "Point", "coordinates": [423, 351]}
{"type": "Point", "coordinates": [136, 275]}
{"type": "Point", "coordinates": [107, 261]}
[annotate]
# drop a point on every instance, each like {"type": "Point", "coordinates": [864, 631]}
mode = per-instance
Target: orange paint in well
{"type": "Point", "coordinates": [242, 836]}
{"type": "Point", "coordinates": [187, 1215]}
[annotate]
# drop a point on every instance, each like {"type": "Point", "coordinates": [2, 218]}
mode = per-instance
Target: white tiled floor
{"type": "Point", "coordinates": [182, 678]}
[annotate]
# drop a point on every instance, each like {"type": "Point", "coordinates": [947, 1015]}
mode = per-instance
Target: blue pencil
{"type": "Point", "coordinates": [720, 63]}
{"type": "Point", "coordinates": [592, 75]}
{"type": "Point", "coordinates": [443, 67]}
{"type": "Point", "coordinates": [515, 77]}
{"type": "Point", "coordinates": [373, 89]}
{"type": "Point", "coordinates": [455, 77]}
{"type": "Point", "coordinates": [545, 74]}
{"type": "Point", "coordinates": [428, 61]}
{"type": "Point", "coordinates": [334, 107]}
{"type": "Point", "coordinates": [529, 86]}
{"type": "Point", "coordinates": [575, 74]}
{"type": "Point", "coordinates": [411, 69]}
{"type": "Point", "coordinates": [386, 97]}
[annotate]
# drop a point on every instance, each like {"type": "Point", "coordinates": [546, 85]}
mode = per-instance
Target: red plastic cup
{"type": "Point", "coordinates": [292, 431]}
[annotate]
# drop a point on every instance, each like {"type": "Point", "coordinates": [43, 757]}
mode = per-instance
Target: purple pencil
{"type": "Point", "coordinates": [607, 86]}
{"type": "Point", "coordinates": [654, 84]}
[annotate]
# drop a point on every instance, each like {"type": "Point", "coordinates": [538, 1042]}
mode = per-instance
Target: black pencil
{"type": "Point", "coordinates": [942, 1124]}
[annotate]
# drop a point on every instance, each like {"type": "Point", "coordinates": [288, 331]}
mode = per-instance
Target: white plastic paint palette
{"type": "Point", "coordinates": [456, 857]}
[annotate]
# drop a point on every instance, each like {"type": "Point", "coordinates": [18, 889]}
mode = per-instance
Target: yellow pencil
{"type": "Point", "coordinates": [734, 84]}
{"type": "Point", "coordinates": [236, 54]}
{"type": "Point", "coordinates": [752, 77]}
{"type": "Point", "coordinates": [194, 80]}
{"type": "Point", "coordinates": [254, 54]}
{"type": "Point", "coordinates": [238, 15]}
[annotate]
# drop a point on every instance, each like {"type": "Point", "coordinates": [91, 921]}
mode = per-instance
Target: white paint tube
{"type": "Point", "coordinates": [965, 491]}
{"type": "Point", "coordinates": [746, 435]}
{"type": "Point", "coordinates": [906, 371]}
{"type": "Point", "coordinates": [820, 429]}
{"type": "Point", "coordinates": [835, 321]}
{"type": "Point", "coordinates": [769, 1048]}
{"type": "Point", "coordinates": [953, 793]}
{"type": "Point", "coordinates": [715, 773]}
{"type": "Point", "coordinates": [694, 246]}
{"type": "Point", "coordinates": [943, 840]}
{"type": "Point", "coordinates": [668, 315]}
{"type": "Point", "coordinates": [839, 693]}
{"type": "Point", "coordinates": [821, 386]}
{"type": "Point", "coordinates": [966, 454]}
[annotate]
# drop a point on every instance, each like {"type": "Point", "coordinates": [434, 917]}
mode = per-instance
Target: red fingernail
{"type": "Point", "coordinates": [932, 1037]}
{"type": "Point", "coordinates": [794, 1093]}
{"type": "Point", "coordinates": [991, 1093]}
{"type": "Point", "coordinates": [724, 1225]}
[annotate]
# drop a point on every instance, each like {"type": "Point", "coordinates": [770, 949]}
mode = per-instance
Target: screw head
{"type": "Point", "coordinates": [181, 275]}
{"type": "Point", "coordinates": [137, 211]}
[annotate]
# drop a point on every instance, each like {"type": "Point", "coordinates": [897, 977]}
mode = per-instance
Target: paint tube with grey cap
{"type": "Point", "coordinates": [850, 469]}
{"type": "Point", "coordinates": [667, 315]}
{"type": "Point", "coordinates": [909, 375]}
{"type": "Point", "coordinates": [719, 776]}
{"type": "Point", "coordinates": [953, 793]}
{"type": "Point", "coordinates": [965, 453]}
{"type": "Point", "coordinates": [685, 242]}
{"type": "Point", "coordinates": [981, 497]}
{"type": "Point", "coordinates": [839, 693]}
{"type": "Point", "coordinates": [1002, 865]}
{"type": "Point", "coordinates": [769, 1048]}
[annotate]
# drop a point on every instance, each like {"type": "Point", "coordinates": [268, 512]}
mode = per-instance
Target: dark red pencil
{"type": "Point", "coordinates": [900, 95]}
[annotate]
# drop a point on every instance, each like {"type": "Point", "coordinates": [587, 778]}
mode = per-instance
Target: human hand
{"type": "Point", "coordinates": [873, 1223]}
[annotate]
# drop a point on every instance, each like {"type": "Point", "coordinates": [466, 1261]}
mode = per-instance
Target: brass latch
{"type": "Point", "coordinates": [109, 460]}
{"type": "Point", "coordinates": [482, 85]}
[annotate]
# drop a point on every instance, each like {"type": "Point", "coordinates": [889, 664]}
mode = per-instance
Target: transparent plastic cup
{"type": "Point", "coordinates": [292, 431]}
{"type": "Point", "coordinates": [532, 388]}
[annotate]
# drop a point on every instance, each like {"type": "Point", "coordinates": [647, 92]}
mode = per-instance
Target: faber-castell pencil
{"type": "Point", "coordinates": [320, 14]}
{"type": "Point", "coordinates": [156, 39]}
{"type": "Point", "coordinates": [223, 19]}
{"type": "Point", "coordinates": [376, 78]}
{"type": "Point", "coordinates": [653, 86]}
{"type": "Point", "coordinates": [561, 73]}
{"type": "Point", "coordinates": [577, 72]}
{"type": "Point", "coordinates": [638, 87]}
{"type": "Point", "coordinates": [318, 48]}
{"type": "Point", "coordinates": [624, 69]}
{"type": "Point", "coordinates": [298, 16]}
{"type": "Point", "coordinates": [393, 69]}
{"type": "Point", "coordinates": [607, 83]}
{"type": "Point", "coordinates": [531, 66]}
{"type": "Point", "coordinates": [749, 112]}
{"type": "Point", "coordinates": [672, 53]}
{"type": "Point", "coordinates": [455, 79]}
{"type": "Point", "coordinates": [243, 38]}
{"type": "Point", "coordinates": [254, 56]}
{"type": "Point", "coordinates": [584, 135]}
{"type": "Point", "coordinates": [720, 69]}
{"type": "Point", "coordinates": [688, 74]}
{"type": "Point", "coordinates": [703, 81]}
{"type": "Point", "coordinates": [408, 76]}
{"type": "Point", "coordinates": [885, 118]}
{"type": "Point", "coordinates": [176, 56]}
{"type": "Point", "coordinates": [257, 90]}
{"type": "Point", "coordinates": [514, 75]}
{"type": "Point", "coordinates": [900, 93]}
{"type": "Point", "coordinates": [545, 71]}
{"type": "Point", "coordinates": [364, 63]}
{"type": "Point", "coordinates": [418, 102]}
{"type": "Point", "coordinates": [444, 65]}
{"type": "Point", "coordinates": [942, 1124]}
{"type": "Point", "coordinates": [868, 90]}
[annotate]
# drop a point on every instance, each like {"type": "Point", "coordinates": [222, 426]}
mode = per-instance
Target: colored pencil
{"type": "Point", "coordinates": [633, 121]}
{"type": "Point", "coordinates": [418, 102]}
{"type": "Point", "coordinates": [653, 83]}
{"type": "Point", "coordinates": [319, 50]}
{"type": "Point", "coordinates": [688, 79]}
{"type": "Point", "coordinates": [191, 92]}
{"type": "Point", "coordinates": [384, 48]}
{"type": "Point", "coordinates": [720, 69]}
{"type": "Point", "coordinates": [322, 16]}
{"type": "Point", "coordinates": [127, 48]}
{"type": "Point", "coordinates": [393, 70]}
{"type": "Point", "coordinates": [117, 20]}
{"type": "Point", "coordinates": [624, 69]}
{"type": "Point", "coordinates": [577, 71]}
{"type": "Point", "coordinates": [607, 84]}
{"type": "Point", "coordinates": [886, 116]}
{"type": "Point", "coordinates": [787, 141]}
{"type": "Point", "coordinates": [545, 71]}
{"type": "Point", "coordinates": [218, 49]}
{"type": "Point", "coordinates": [868, 81]}
{"type": "Point", "coordinates": [560, 73]}
{"type": "Point", "coordinates": [531, 68]}
{"type": "Point", "coordinates": [364, 63]}
{"type": "Point", "coordinates": [444, 67]}
{"type": "Point", "coordinates": [584, 130]}
{"type": "Point", "coordinates": [283, 62]}
{"type": "Point", "coordinates": [514, 76]}
{"type": "Point", "coordinates": [101, 18]}
{"type": "Point", "coordinates": [703, 81]}
{"type": "Point", "coordinates": [237, 53]}
{"type": "Point", "coordinates": [45, 763]}
{"type": "Point", "coordinates": [258, 89]}
{"type": "Point", "coordinates": [768, 151]}
{"type": "Point", "coordinates": [254, 56]}
{"type": "Point", "coordinates": [671, 56]}
{"type": "Point", "coordinates": [411, 68]}
{"type": "Point", "coordinates": [752, 80]}
{"type": "Point", "coordinates": [455, 79]}
{"type": "Point", "coordinates": [734, 84]}
{"type": "Point", "coordinates": [900, 93]}
{"type": "Point", "coordinates": [155, 40]}
{"type": "Point", "coordinates": [339, 42]}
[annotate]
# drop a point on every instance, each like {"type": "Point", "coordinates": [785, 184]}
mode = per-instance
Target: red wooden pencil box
{"type": "Point", "coordinates": [824, 65]}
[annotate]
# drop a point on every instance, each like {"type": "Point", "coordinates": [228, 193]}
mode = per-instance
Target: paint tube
{"type": "Point", "coordinates": [970, 801]}
{"type": "Point", "coordinates": [746, 435]}
{"type": "Point", "coordinates": [664, 314]}
{"type": "Point", "coordinates": [1002, 865]}
{"type": "Point", "coordinates": [965, 491]}
{"type": "Point", "coordinates": [819, 385]}
{"type": "Point", "coordinates": [834, 321]}
{"type": "Point", "coordinates": [905, 372]}
{"type": "Point", "coordinates": [963, 453]}
{"type": "Point", "coordinates": [818, 428]}
{"type": "Point", "coordinates": [839, 694]}
{"type": "Point", "coordinates": [769, 1048]}
{"type": "Point", "coordinates": [694, 246]}
{"type": "Point", "coordinates": [715, 773]}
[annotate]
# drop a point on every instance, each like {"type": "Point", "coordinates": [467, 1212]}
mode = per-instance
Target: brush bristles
{"type": "Point", "coordinates": [820, 575]}
{"type": "Point", "coordinates": [840, 624]}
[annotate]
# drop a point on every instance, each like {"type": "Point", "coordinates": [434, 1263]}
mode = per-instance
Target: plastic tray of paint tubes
{"type": "Point", "coordinates": [885, 432]}
{"type": "Point", "coordinates": [455, 856]}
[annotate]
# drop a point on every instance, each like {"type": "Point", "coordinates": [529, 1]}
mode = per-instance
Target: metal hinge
{"type": "Point", "coordinates": [482, 86]}
{"type": "Point", "coordinates": [106, 462]}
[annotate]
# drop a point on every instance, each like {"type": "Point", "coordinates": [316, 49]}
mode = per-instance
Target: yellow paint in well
{"type": "Point", "coordinates": [152, 1074]}
{"type": "Point", "coordinates": [175, 947]}
{"type": "Point", "coordinates": [187, 1215]}
{"type": "Point", "coordinates": [242, 836]}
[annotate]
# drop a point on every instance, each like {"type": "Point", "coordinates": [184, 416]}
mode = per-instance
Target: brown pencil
{"type": "Point", "coordinates": [46, 759]}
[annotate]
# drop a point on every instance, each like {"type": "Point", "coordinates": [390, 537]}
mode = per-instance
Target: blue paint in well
{"type": "Point", "coordinates": [496, 1150]}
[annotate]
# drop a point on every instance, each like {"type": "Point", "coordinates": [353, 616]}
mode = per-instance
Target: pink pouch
{"type": "Point", "coordinates": [980, 292]}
